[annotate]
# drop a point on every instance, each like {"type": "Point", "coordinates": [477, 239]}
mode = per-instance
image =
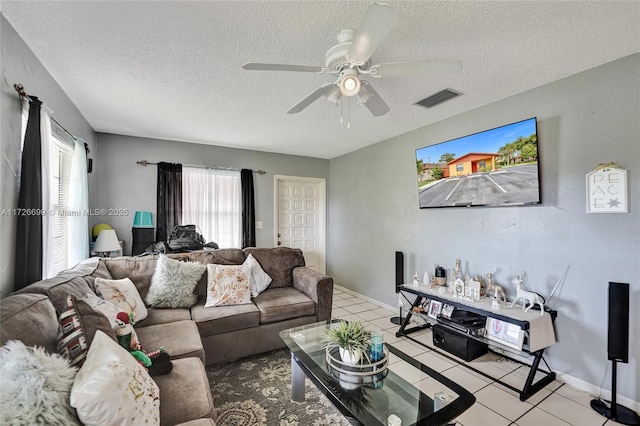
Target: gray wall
{"type": "Point", "coordinates": [19, 65]}
{"type": "Point", "coordinates": [123, 184]}
{"type": "Point", "coordinates": [583, 120]}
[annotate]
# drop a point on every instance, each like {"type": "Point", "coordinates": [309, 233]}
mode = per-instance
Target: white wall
{"type": "Point", "coordinates": [123, 184]}
{"type": "Point", "coordinates": [583, 120]}
{"type": "Point", "coordinates": [19, 65]}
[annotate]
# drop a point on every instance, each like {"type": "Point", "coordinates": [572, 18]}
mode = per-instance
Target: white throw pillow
{"type": "Point", "coordinates": [228, 285]}
{"type": "Point", "coordinates": [34, 386]}
{"type": "Point", "coordinates": [261, 279]}
{"type": "Point", "coordinates": [173, 283]}
{"type": "Point", "coordinates": [124, 294]}
{"type": "Point", "coordinates": [112, 388]}
{"type": "Point", "coordinates": [105, 307]}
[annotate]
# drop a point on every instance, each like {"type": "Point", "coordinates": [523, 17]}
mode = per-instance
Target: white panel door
{"type": "Point", "coordinates": [300, 216]}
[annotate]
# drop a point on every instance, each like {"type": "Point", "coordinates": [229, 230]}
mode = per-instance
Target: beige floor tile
{"type": "Point", "coordinates": [409, 348]}
{"type": "Point", "coordinates": [384, 324]}
{"type": "Point", "coordinates": [435, 361]}
{"type": "Point", "coordinates": [479, 415]}
{"type": "Point", "coordinates": [390, 337]}
{"type": "Point", "coordinates": [385, 312]}
{"type": "Point", "coordinates": [408, 372]}
{"type": "Point", "coordinates": [538, 417]}
{"type": "Point", "coordinates": [340, 303]}
{"type": "Point", "coordinates": [367, 315]}
{"type": "Point", "coordinates": [466, 378]}
{"type": "Point", "coordinates": [430, 386]}
{"type": "Point", "coordinates": [576, 395]}
{"type": "Point", "coordinates": [354, 300]}
{"type": "Point", "coordinates": [338, 312]}
{"type": "Point", "coordinates": [354, 309]}
{"type": "Point", "coordinates": [502, 402]}
{"type": "Point", "coordinates": [570, 411]}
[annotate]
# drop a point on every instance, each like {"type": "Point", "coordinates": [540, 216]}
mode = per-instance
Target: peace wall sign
{"type": "Point", "coordinates": [607, 190]}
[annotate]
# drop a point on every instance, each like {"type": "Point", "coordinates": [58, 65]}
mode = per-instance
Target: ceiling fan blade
{"type": "Point", "coordinates": [420, 68]}
{"type": "Point", "coordinates": [374, 102]}
{"type": "Point", "coordinates": [256, 66]}
{"type": "Point", "coordinates": [312, 97]}
{"type": "Point", "coordinates": [374, 29]}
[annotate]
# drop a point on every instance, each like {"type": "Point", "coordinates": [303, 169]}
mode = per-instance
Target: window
{"type": "Point", "coordinates": [62, 146]}
{"type": "Point", "coordinates": [212, 200]}
{"type": "Point", "coordinates": [459, 167]}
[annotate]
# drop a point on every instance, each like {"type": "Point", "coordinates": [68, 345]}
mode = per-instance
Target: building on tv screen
{"type": "Point", "coordinates": [497, 167]}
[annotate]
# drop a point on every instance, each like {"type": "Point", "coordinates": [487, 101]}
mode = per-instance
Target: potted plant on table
{"type": "Point", "coordinates": [351, 338]}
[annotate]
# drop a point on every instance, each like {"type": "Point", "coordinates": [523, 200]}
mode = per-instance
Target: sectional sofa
{"type": "Point", "coordinates": [195, 336]}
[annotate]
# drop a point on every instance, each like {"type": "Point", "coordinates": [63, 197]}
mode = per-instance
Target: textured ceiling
{"type": "Point", "coordinates": [172, 70]}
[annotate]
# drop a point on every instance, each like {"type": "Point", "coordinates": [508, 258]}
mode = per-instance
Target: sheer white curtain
{"type": "Point", "coordinates": [78, 225]}
{"type": "Point", "coordinates": [48, 269]}
{"type": "Point", "coordinates": [212, 199]}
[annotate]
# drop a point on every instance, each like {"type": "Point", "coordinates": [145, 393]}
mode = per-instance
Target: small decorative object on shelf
{"type": "Point", "coordinates": [352, 339]}
{"type": "Point", "coordinates": [458, 288]}
{"type": "Point", "coordinates": [498, 291]}
{"type": "Point", "coordinates": [529, 298]}
{"type": "Point", "coordinates": [434, 309]}
{"type": "Point", "coordinates": [454, 274]}
{"type": "Point", "coordinates": [441, 276]}
{"type": "Point", "coordinates": [425, 278]}
{"type": "Point", "coordinates": [416, 280]}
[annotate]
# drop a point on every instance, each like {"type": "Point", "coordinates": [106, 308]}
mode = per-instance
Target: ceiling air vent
{"type": "Point", "coordinates": [438, 98]}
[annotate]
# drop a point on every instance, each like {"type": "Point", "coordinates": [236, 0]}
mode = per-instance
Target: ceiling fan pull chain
{"type": "Point", "coordinates": [341, 110]}
{"type": "Point", "coordinates": [349, 113]}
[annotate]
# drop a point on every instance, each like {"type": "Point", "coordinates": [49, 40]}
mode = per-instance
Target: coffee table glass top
{"type": "Point", "coordinates": [432, 399]}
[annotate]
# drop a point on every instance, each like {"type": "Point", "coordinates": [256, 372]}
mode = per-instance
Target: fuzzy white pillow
{"type": "Point", "coordinates": [173, 283]}
{"type": "Point", "coordinates": [261, 279]}
{"type": "Point", "coordinates": [34, 386]}
{"type": "Point", "coordinates": [112, 388]}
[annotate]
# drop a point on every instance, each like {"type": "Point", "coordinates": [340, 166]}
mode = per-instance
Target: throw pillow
{"type": "Point", "coordinates": [228, 285]}
{"type": "Point", "coordinates": [173, 283]}
{"type": "Point", "coordinates": [124, 294]}
{"type": "Point", "coordinates": [108, 309]}
{"type": "Point", "coordinates": [34, 386]}
{"type": "Point", "coordinates": [112, 388]}
{"type": "Point", "coordinates": [260, 279]}
{"type": "Point", "coordinates": [78, 326]}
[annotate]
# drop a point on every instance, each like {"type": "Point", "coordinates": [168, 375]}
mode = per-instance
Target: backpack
{"type": "Point", "coordinates": [185, 238]}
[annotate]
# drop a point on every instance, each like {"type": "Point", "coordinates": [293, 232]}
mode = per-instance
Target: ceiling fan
{"type": "Point", "coordinates": [349, 61]}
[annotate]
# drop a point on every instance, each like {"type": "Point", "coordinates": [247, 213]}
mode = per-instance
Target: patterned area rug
{"type": "Point", "coordinates": [256, 391]}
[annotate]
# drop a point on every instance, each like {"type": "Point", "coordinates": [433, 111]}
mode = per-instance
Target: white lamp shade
{"type": "Point", "coordinates": [350, 85]}
{"type": "Point", "coordinates": [107, 241]}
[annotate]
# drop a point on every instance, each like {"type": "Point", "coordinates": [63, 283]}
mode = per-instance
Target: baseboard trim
{"type": "Point", "coordinates": [566, 378]}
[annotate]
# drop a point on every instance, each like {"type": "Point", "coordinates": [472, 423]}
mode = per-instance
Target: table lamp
{"type": "Point", "coordinates": [142, 220]}
{"type": "Point", "coordinates": [107, 242]}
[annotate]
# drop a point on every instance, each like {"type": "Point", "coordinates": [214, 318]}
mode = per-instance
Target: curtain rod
{"type": "Point", "coordinates": [202, 166]}
{"type": "Point", "coordinates": [23, 94]}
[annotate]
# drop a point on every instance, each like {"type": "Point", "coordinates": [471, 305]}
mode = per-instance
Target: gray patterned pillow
{"type": "Point", "coordinates": [173, 283]}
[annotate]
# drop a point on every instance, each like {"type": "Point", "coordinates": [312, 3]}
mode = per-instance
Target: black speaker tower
{"type": "Point", "coordinates": [617, 351]}
{"type": "Point", "coordinates": [399, 282]}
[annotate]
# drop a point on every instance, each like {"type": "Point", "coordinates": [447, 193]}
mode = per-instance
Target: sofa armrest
{"type": "Point", "coordinates": [317, 287]}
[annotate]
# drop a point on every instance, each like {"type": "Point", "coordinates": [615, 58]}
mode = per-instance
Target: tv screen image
{"type": "Point", "coordinates": [496, 167]}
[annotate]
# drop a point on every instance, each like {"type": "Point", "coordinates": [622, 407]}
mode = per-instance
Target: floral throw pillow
{"type": "Point", "coordinates": [124, 294]}
{"type": "Point", "coordinates": [228, 285]}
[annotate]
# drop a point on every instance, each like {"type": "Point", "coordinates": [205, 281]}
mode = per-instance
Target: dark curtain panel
{"type": "Point", "coordinates": [29, 227]}
{"type": "Point", "coordinates": [169, 208]}
{"type": "Point", "coordinates": [248, 209]}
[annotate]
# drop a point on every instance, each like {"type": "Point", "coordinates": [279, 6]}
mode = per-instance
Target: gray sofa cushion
{"type": "Point", "coordinates": [180, 339]}
{"type": "Point", "coordinates": [185, 394]}
{"type": "Point", "coordinates": [162, 316]}
{"type": "Point", "coordinates": [31, 318]}
{"type": "Point", "coordinates": [138, 269]}
{"type": "Point", "coordinates": [278, 263]}
{"type": "Point", "coordinates": [279, 304]}
{"type": "Point", "coordinates": [222, 319]}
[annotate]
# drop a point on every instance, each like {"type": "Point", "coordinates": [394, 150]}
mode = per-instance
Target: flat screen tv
{"type": "Point", "coordinates": [497, 167]}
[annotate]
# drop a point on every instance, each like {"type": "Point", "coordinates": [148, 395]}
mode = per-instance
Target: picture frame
{"type": "Point", "coordinates": [434, 309]}
{"type": "Point", "coordinates": [505, 333]}
{"type": "Point", "coordinates": [447, 310]}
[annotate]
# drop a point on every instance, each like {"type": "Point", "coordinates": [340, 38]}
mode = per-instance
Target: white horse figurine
{"type": "Point", "coordinates": [529, 297]}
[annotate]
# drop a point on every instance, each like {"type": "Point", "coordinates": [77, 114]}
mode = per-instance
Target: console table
{"type": "Point", "coordinates": [539, 331]}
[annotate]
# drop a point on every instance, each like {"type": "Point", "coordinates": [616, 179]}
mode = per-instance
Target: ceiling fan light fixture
{"type": "Point", "coordinates": [334, 95]}
{"type": "Point", "coordinates": [364, 94]}
{"type": "Point", "coordinates": [350, 85]}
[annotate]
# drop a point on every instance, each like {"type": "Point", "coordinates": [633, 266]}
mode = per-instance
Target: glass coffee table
{"type": "Point", "coordinates": [371, 400]}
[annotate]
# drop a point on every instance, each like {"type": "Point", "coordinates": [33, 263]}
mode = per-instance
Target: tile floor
{"type": "Point", "coordinates": [496, 405]}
